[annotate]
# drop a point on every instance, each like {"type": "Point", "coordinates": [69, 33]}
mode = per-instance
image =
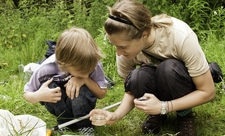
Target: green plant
{"type": "Point", "coordinates": [216, 22]}
{"type": "Point", "coordinates": [109, 54]}
{"type": "Point", "coordinates": [199, 14]}
{"type": "Point", "coordinates": [27, 28]}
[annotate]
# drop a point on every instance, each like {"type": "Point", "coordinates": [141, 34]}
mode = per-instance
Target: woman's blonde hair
{"type": "Point", "coordinates": [76, 48]}
{"type": "Point", "coordinates": [139, 16]}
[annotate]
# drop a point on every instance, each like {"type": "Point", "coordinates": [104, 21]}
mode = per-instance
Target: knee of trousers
{"type": "Point", "coordinates": [141, 81]}
{"type": "Point", "coordinates": [173, 80]}
{"type": "Point", "coordinates": [84, 103]}
{"type": "Point", "coordinates": [172, 68]}
{"type": "Point", "coordinates": [55, 84]}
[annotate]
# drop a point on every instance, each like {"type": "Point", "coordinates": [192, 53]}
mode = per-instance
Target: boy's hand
{"type": "Point", "coordinates": [46, 94]}
{"type": "Point", "coordinates": [73, 87]}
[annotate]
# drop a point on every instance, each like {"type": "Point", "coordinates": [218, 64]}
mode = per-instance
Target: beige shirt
{"type": "Point", "coordinates": [177, 41]}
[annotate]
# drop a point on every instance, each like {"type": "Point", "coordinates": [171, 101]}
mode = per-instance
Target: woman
{"type": "Point", "coordinates": [173, 74]}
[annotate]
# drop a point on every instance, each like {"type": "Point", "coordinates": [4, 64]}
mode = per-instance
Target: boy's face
{"type": "Point", "coordinates": [76, 73]}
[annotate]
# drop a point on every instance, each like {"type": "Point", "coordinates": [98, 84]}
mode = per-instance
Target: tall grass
{"type": "Point", "coordinates": [23, 35]}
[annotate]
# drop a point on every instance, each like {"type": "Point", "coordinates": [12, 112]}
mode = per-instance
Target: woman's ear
{"type": "Point", "coordinates": [145, 34]}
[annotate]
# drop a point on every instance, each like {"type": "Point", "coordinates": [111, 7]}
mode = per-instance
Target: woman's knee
{"type": "Point", "coordinates": [141, 81]}
{"type": "Point", "coordinates": [170, 68]}
{"type": "Point", "coordinates": [173, 80]}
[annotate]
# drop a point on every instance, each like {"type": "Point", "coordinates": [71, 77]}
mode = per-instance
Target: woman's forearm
{"type": "Point", "coordinates": [125, 107]}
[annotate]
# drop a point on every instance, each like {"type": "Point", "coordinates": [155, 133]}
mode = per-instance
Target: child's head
{"type": "Point", "coordinates": [128, 16]}
{"type": "Point", "coordinates": [77, 51]}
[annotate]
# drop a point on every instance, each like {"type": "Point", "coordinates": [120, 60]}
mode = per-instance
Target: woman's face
{"type": "Point", "coordinates": [128, 49]}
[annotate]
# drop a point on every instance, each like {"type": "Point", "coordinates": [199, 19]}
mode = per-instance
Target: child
{"type": "Point", "coordinates": [69, 82]}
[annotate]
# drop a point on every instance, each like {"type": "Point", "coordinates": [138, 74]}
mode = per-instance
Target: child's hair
{"type": "Point", "coordinates": [76, 48]}
{"type": "Point", "coordinates": [138, 17]}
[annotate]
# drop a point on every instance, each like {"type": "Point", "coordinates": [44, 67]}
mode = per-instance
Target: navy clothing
{"type": "Point", "coordinates": [170, 80]}
{"type": "Point", "coordinates": [67, 109]}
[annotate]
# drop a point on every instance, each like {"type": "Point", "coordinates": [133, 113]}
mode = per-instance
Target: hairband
{"type": "Point", "coordinates": [122, 20]}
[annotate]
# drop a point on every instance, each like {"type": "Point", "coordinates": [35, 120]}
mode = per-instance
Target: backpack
{"type": "Point", "coordinates": [216, 72]}
{"type": "Point", "coordinates": [50, 50]}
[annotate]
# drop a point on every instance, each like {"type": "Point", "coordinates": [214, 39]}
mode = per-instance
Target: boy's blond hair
{"type": "Point", "coordinates": [76, 48]}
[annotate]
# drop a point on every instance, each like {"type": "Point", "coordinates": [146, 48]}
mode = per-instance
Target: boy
{"type": "Point", "coordinates": [69, 82]}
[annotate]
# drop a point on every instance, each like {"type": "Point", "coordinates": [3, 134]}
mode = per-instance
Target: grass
{"type": "Point", "coordinates": [210, 117]}
{"type": "Point", "coordinates": [23, 42]}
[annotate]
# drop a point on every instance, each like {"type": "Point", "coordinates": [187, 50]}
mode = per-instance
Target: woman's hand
{"type": "Point", "coordinates": [73, 86]}
{"type": "Point", "coordinates": [110, 116]}
{"type": "Point", "coordinates": [151, 105]}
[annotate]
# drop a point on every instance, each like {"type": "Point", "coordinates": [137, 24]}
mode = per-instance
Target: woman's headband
{"type": "Point", "coordinates": [122, 20]}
